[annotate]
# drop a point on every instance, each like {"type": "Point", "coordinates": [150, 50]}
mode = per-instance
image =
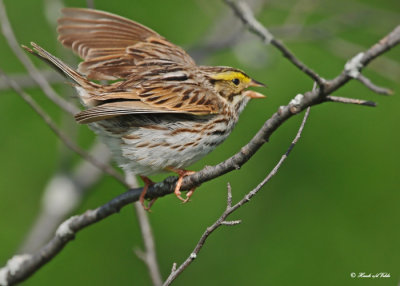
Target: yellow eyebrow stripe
{"type": "Point", "coordinates": [230, 75]}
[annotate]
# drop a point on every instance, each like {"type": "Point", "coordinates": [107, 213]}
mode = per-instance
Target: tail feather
{"type": "Point", "coordinates": [57, 64]}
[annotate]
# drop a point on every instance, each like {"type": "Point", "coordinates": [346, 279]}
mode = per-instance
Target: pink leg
{"type": "Point", "coordinates": [182, 173]}
{"type": "Point", "coordinates": [147, 183]}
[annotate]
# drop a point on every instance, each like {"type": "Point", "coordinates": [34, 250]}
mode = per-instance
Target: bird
{"type": "Point", "coordinates": [157, 111]}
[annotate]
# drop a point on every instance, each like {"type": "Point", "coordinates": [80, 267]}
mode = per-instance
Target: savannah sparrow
{"type": "Point", "coordinates": [162, 112]}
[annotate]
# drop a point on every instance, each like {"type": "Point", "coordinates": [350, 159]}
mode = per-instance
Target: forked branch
{"type": "Point", "coordinates": [27, 265]}
{"type": "Point", "coordinates": [230, 209]}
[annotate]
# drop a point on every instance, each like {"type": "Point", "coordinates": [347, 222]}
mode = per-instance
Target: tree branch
{"type": "Point", "coordinates": [148, 256]}
{"type": "Point", "coordinates": [368, 83]}
{"type": "Point", "coordinates": [64, 138]}
{"type": "Point", "coordinates": [230, 209]}
{"type": "Point", "coordinates": [32, 70]}
{"type": "Point", "coordinates": [384, 45]}
{"type": "Point", "coordinates": [68, 229]}
{"type": "Point", "coordinates": [244, 13]}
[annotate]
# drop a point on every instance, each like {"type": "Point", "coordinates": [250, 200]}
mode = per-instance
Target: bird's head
{"type": "Point", "coordinates": [231, 84]}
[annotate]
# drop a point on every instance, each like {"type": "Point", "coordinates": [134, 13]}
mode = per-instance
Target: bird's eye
{"type": "Point", "coordinates": [236, 81]}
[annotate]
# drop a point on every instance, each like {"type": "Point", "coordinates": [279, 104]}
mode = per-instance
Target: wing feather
{"type": "Point", "coordinates": [112, 109]}
{"type": "Point", "coordinates": [157, 99]}
{"type": "Point", "coordinates": [111, 45]}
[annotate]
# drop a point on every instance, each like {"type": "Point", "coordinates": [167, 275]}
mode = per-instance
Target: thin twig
{"type": "Point", "coordinates": [229, 198]}
{"type": "Point", "coordinates": [32, 70]}
{"type": "Point", "coordinates": [350, 100]}
{"type": "Point", "coordinates": [253, 192]}
{"type": "Point", "coordinates": [368, 83]}
{"type": "Point", "coordinates": [230, 209]}
{"type": "Point", "coordinates": [25, 81]}
{"type": "Point", "coordinates": [244, 13]}
{"type": "Point", "coordinates": [384, 45]}
{"type": "Point", "coordinates": [64, 138]}
{"type": "Point", "coordinates": [149, 256]}
{"type": "Point", "coordinates": [386, 67]}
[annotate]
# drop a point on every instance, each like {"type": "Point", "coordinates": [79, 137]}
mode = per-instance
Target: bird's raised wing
{"type": "Point", "coordinates": [111, 45]}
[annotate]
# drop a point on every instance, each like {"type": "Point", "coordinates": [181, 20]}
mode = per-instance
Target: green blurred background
{"type": "Point", "coordinates": [332, 209]}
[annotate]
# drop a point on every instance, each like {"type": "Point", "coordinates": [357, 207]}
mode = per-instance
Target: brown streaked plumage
{"type": "Point", "coordinates": [163, 112]}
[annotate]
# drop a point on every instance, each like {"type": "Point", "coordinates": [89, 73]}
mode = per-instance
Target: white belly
{"type": "Point", "coordinates": [150, 149]}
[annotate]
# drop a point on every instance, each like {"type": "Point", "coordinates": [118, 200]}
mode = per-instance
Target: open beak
{"type": "Point", "coordinates": [252, 93]}
{"type": "Point", "coordinates": [256, 83]}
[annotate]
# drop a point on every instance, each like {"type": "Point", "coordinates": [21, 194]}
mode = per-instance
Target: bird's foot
{"type": "Point", "coordinates": [147, 184]}
{"type": "Point", "coordinates": [182, 173]}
